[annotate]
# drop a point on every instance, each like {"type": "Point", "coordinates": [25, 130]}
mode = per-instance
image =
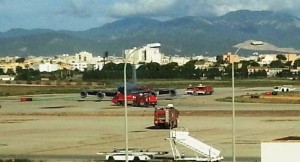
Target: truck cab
{"type": "Point", "coordinates": [203, 90]}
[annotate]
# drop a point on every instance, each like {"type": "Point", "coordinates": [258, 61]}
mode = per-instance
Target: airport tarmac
{"type": "Point", "coordinates": [66, 127]}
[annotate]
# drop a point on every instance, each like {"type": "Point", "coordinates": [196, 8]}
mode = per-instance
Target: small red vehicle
{"type": "Point", "coordinates": [166, 117]}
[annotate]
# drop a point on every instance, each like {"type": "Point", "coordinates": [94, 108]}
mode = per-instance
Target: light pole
{"type": "Point", "coordinates": [233, 103]}
{"type": "Point", "coordinates": [233, 106]}
{"type": "Point", "coordinates": [125, 100]}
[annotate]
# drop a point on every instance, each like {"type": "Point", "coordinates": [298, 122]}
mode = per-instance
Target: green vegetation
{"type": "Point", "coordinates": [153, 70]}
{"type": "Point", "coordinates": [152, 74]}
{"type": "Point", "coordinates": [12, 90]}
{"type": "Point", "coordinates": [51, 88]}
{"type": "Point", "coordinates": [281, 98]}
{"type": "Point", "coordinates": [15, 160]}
{"type": "Point", "coordinates": [174, 71]}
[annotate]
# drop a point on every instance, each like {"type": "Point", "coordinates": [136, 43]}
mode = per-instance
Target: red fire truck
{"type": "Point", "coordinates": [200, 90]}
{"type": "Point", "coordinates": [136, 99]}
{"type": "Point", "coordinates": [166, 117]}
{"type": "Point", "coordinates": [119, 99]}
{"type": "Point", "coordinates": [145, 100]}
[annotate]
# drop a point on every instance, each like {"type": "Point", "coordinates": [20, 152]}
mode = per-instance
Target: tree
{"type": "Point", "coordinates": [285, 73]}
{"type": "Point", "coordinates": [243, 71]}
{"type": "Point", "coordinates": [10, 72]}
{"type": "Point", "coordinates": [149, 70]}
{"type": "Point", "coordinates": [1, 71]}
{"type": "Point", "coordinates": [213, 72]}
{"type": "Point", "coordinates": [19, 69]}
{"type": "Point", "coordinates": [277, 64]}
{"type": "Point", "coordinates": [254, 64]}
{"type": "Point", "coordinates": [288, 63]}
{"type": "Point", "coordinates": [188, 70]}
{"type": "Point", "coordinates": [110, 66]}
{"type": "Point", "coordinates": [220, 60]}
{"type": "Point", "coordinates": [258, 74]}
{"type": "Point", "coordinates": [20, 60]}
{"type": "Point", "coordinates": [28, 74]}
{"type": "Point", "coordinates": [281, 57]}
{"type": "Point", "coordinates": [169, 70]}
{"type": "Point", "coordinates": [296, 63]}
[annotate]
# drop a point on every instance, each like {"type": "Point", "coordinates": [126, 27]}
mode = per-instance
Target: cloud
{"type": "Point", "coordinates": [85, 14]}
{"type": "Point", "coordinates": [139, 7]}
{"type": "Point", "coordinates": [23, 49]}
{"type": "Point", "coordinates": [180, 8]}
{"type": "Point", "coordinates": [75, 8]}
{"type": "Point", "coordinates": [217, 7]}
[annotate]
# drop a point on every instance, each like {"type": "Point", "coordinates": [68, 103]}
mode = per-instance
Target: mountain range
{"type": "Point", "coordinates": [183, 36]}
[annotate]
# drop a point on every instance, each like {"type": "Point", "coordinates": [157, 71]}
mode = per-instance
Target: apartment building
{"type": "Point", "coordinates": [81, 66]}
{"type": "Point", "coordinates": [230, 58]}
{"type": "Point", "coordinates": [84, 56]}
{"type": "Point", "coordinates": [180, 60]}
{"type": "Point", "coordinates": [148, 53]}
{"type": "Point", "coordinates": [46, 67]}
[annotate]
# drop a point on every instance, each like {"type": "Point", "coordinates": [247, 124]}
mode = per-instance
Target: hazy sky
{"type": "Point", "coordinates": [85, 14]}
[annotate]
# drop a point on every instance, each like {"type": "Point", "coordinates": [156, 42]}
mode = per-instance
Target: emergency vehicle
{"type": "Point", "coordinates": [145, 100]}
{"type": "Point", "coordinates": [166, 117]}
{"type": "Point", "coordinates": [200, 90]}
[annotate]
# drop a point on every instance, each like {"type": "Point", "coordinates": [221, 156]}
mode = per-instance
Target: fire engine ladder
{"type": "Point", "coordinates": [202, 151]}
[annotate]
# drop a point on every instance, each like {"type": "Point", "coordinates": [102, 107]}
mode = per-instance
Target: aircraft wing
{"type": "Point", "coordinates": [171, 92]}
{"type": "Point", "coordinates": [99, 93]}
{"type": "Point", "coordinates": [143, 92]}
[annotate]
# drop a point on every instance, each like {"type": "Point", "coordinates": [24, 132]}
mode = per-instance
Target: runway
{"type": "Point", "coordinates": [65, 126]}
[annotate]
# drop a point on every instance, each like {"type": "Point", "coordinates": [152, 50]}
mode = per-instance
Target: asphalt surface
{"type": "Point", "coordinates": [67, 128]}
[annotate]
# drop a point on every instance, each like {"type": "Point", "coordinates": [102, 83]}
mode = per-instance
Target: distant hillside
{"type": "Point", "coordinates": [182, 36]}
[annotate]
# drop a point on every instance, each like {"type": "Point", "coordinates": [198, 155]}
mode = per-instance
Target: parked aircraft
{"type": "Point", "coordinates": [131, 88]}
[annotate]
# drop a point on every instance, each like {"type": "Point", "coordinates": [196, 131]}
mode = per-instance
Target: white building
{"type": "Point", "coordinates": [148, 53]}
{"type": "Point", "coordinates": [113, 59]}
{"type": "Point", "coordinates": [279, 151]}
{"type": "Point", "coordinates": [84, 57]}
{"type": "Point", "coordinates": [46, 67]}
{"type": "Point", "coordinates": [180, 60]}
{"type": "Point", "coordinates": [200, 57]}
{"type": "Point", "coordinates": [98, 66]}
{"type": "Point", "coordinates": [97, 59]}
{"type": "Point", "coordinates": [80, 66]}
{"type": "Point", "coordinates": [266, 59]}
{"type": "Point", "coordinates": [211, 59]}
{"type": "Point", "coordinates": [6, 77]}
{"type": "Point", "coordinates": [250, 58]}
